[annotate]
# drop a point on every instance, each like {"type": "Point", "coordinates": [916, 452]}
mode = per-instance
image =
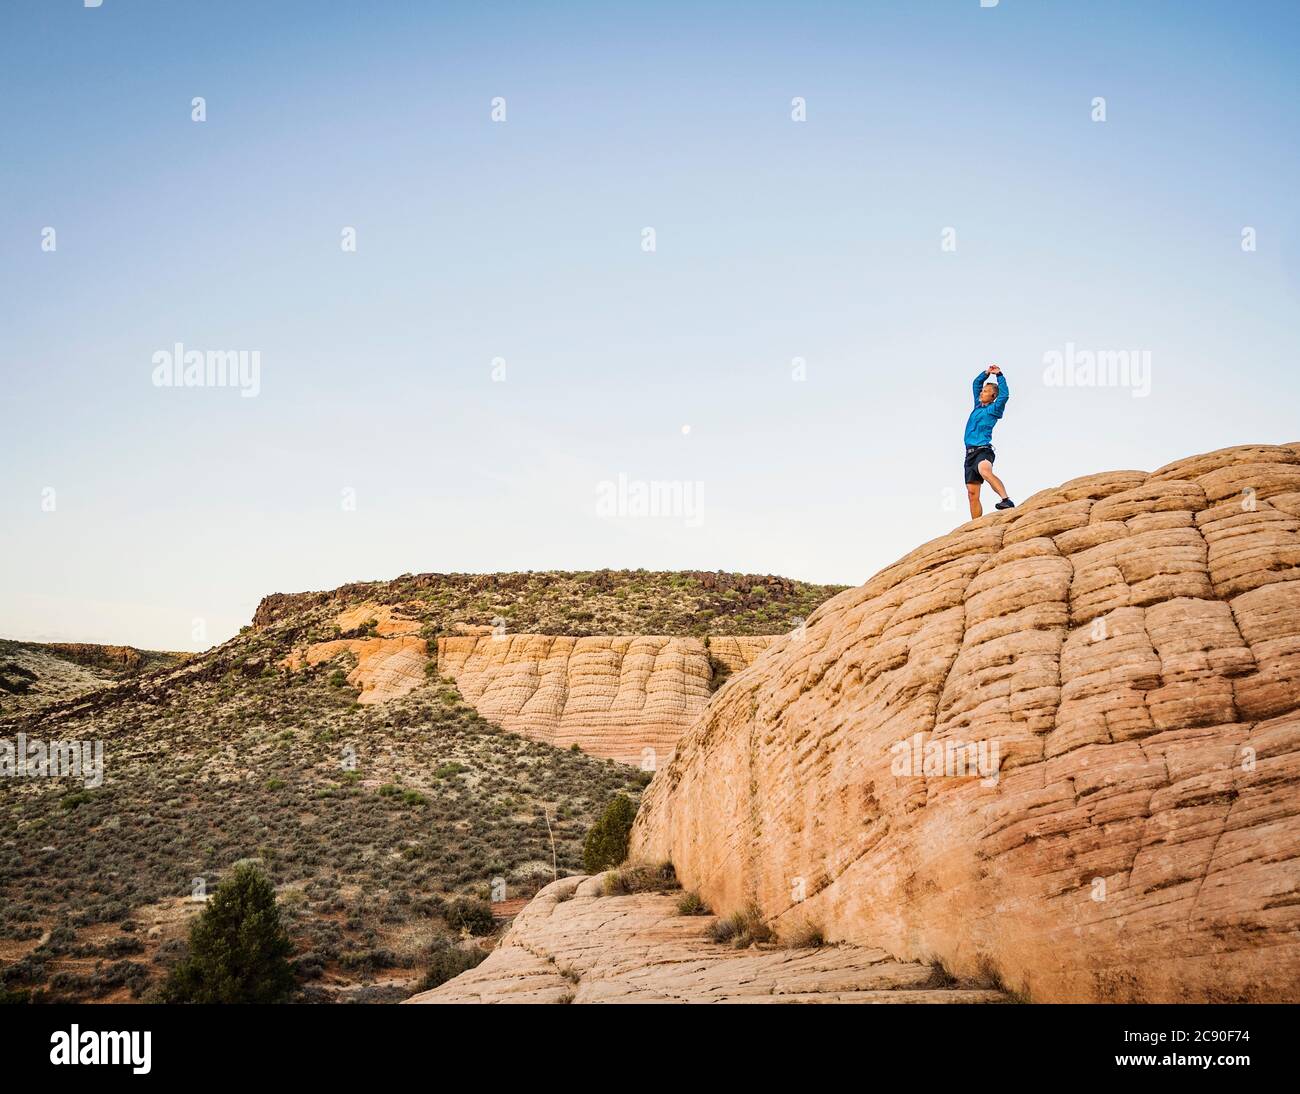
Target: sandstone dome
{"type": "Point", "coordinates": [1125, 650]}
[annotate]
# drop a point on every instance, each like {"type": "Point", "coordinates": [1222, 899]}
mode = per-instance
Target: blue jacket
{"type": "Point", "coordinates": [979, 426]}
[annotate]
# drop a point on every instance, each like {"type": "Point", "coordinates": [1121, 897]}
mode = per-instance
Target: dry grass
{"type": "Point", "coordinates": [743, 928]}
{"type": "Point", "coordinates": [641, 878]}
{"type": "Point", "coordinates": [692, 904]}
{"type": "Point", "coordinates": [803, 936]}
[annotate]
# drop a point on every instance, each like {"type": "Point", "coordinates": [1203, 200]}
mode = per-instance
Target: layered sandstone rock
{"type": "Point", "coordinates": [389, 665]}
{"type": "Point", "coordinates": [572, 944]}
{"type": "Point", "coordinates": [1123, 653]}
{"type": "Point", "coordinates": [739, 651]}
{"type": "Point", "coordinates": [389, 622]}
{"type": "Point", "coordinates": [627, 698]}
{"type": "Point", "coordinates": [386, 668]}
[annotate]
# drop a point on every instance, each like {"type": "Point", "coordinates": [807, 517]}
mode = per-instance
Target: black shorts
{"type": "Point", "coordinates": [975, 454]}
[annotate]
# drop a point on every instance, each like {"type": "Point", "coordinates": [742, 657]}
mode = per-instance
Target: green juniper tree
{"type": "Point", "coordinates": [239, 951]}
{"type": "Point", "coordinates": [606, 843]}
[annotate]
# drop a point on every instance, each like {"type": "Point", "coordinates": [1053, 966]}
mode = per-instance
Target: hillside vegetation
{"type": "Point", "coordinates": [385, 828]}
{"type": "Point", "coordinates": [695, 603]}
{"type": "Point", "coordinates": [35, 674]}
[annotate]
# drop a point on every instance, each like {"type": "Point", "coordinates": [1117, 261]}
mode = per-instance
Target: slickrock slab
{"type": "Point", "coordinates": [386, 668]}
{"type": "Point", "coordinates": [627, 698]}
{"type": "Point", "coordinates": [1124, 653]}
{"type": "Point", "coordinates": [573, 945]}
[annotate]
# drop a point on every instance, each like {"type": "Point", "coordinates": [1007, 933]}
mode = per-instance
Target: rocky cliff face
{"type": "Point", "coordinates": [623, 697]}
{"type": "Point", "coordinates": [1060, 746]}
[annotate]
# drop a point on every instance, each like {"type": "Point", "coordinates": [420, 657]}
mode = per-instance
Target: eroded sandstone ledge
{"type": "Point", "coordinates": [1131, 643]}
{"type": "Point", "coordinates": [390, 662]}
{"type": "Point", "coordinates": [572, 944]}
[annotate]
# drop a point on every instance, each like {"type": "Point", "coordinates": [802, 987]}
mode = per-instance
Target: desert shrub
{"type": "Point", "coordinates": [103, 980]}
{"type": "Point", "coordinates": [606, 843]}
{"type": "Point", "coordinates": [61, 939]}
{"type": "Point", "coordinates": [239, 951]}
{"type": "Point", "coordinates": [806, 936]}
{"type": "Point", "coordinates": [641, 879]}
{"type": "Point", "coordinates": [724, 930]}
{"type": "Point", "coordinates": [26, 970]}
{"type": "Point", "coordinates": [742, 928]}
{"type": "Point", "coordinates": [692, 904]}
{"type": "Point", "coordinates": [448, 962]}
{"type": "Point", "coordinates": [113, 947]}
{"type": "Point", "coordinates": [369, 960]}
{"type": "Point", "coordinates": [310, 966]}
{"type": "Point", "coordinates": [470, 914]}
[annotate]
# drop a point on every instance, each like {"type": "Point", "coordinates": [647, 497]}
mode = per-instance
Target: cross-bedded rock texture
{"type": "Point", "coordinates": [1124, 650]}
{"type": "Point", "coordinates": [390, 662]}
{"type": "Point", "coordinates": [573, 944]}
{"type": "Point", "coordinates": [386, 668]}
{"type": "Point", "coordinates": [623, 697]}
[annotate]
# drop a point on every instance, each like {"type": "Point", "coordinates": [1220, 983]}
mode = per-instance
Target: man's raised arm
{"type": "Point", "coordinates": [979, 383]}
{"type": "Point", "coordinates": [1004, 393]}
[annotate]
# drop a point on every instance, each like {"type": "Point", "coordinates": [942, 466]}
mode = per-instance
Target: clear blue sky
{"type": "Point", "coordinates": [476, 240]}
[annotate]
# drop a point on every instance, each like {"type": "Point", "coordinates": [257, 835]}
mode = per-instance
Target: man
{"type": "Point", "coordinates": [991, 394]}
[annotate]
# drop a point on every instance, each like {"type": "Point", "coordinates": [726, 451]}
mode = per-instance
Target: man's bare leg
{"type": "Point", "coordinates": [986, 469]}
{"type": "Point", "coordinates": [973, 495]}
